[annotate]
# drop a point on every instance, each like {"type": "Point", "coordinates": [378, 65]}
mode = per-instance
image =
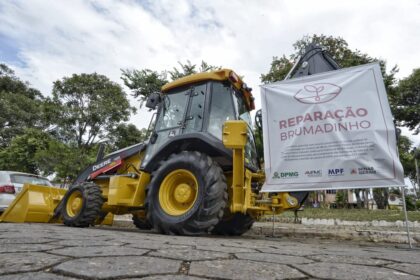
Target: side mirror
{"type": "Point", "coordinates": [153, 100]}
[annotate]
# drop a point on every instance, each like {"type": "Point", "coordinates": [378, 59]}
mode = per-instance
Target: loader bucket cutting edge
{"type": "Point", "coordinates": [34, 204]}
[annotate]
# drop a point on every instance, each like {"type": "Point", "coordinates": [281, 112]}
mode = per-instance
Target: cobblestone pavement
{"type": "Point", "coordinates": [43, 251]}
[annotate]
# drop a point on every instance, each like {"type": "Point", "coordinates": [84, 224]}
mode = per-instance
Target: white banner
{"type": "Point", "coordinates": [332, 130]}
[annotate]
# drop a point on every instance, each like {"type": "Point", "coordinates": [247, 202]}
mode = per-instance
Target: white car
{"type": "Point", "coordinates": [11, 183]}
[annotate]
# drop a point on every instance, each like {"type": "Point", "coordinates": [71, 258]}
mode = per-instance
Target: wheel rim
{"type": "Point", "coordinates": [74, 204]}
{"type": "Point", "coordinates": [178, 192]}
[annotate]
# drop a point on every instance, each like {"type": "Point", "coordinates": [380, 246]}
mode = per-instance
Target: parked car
{"type": "Point", "coordinates": [11, 183]}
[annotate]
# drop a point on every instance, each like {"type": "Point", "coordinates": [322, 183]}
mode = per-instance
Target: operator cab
{"type": "Point", "coordinates": [191, 113]}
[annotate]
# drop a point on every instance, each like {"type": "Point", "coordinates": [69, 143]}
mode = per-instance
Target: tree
{"type": "Point", "coordinates": [341, 198]}
{"type": "Point", "coordinates": [406, 156]}
{"type": "Point", "coordinates": [405, 102]}
{"type": "Point", "coordinates": [144, 82]}
{"type": "Point", "coordinates": [87, 107]}
{"type": "Point", "coordinates": [337, 47]}
{"type": "Point", "coordinates": [64, 160]}
{"type": "Point", "coordinates": [125, 135]}
{"type": "Point", "coordinates": [381, 195]}
{"type": "Point", "coordinates": [20, 154]}
{"type": "Point", "coordinates": [189, 69]}
{"type": "Point", "coordinates": [21, 106]}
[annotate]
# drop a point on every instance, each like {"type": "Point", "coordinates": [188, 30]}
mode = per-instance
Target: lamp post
{"type": "Point", "coordinates": [416, 154]}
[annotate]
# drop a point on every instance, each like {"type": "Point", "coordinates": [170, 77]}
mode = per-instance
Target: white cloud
{"type": "Point", "coordinates": [58, 38]}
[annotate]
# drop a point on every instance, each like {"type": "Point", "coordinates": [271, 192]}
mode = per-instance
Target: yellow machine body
{"type": "Point", "coordinates": [33, 204]}
{"type": "Point", "coordinates": [36, 204]}
{"type": "Point", "coordinates": [125, 194]}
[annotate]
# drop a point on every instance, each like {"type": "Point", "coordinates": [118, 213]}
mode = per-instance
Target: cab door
{"type": "Point", "coordinates": [196, 107]}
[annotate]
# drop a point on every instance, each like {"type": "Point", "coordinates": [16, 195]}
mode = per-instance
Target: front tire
{"type": "Point", "coordinates": [82, 205]}
{"type": "Point", "coordinates": [187, 195]}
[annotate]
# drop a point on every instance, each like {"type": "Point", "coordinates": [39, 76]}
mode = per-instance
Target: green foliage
{"type": "Point", "coordinates": [337, 47]}
{"type": "Point", "coordinates": [66, 161]}
{"type": "Point", "coordinates": [189, 69]}
{"type": "Point", "coordinates": [21, 106]}
{"type": "Point", "coordinates": [354, 214]}
{"type": "Point", "coordinates": [341, 198]}
{"type": "Point", "coordinates": [125, 135]}
{"type": "Point", "coordinates": [87, 106]}
{"type": "Point", "coordinates": [380, 195]}
{"type": "Point", "coordinates": [20, 154]}
{"type": "Point", "coordinates": [410, 203]}
{"type": "Point", "coordinates": [144, 82]}
{"type": "Point", "coordinates": [418, 204]}
{"type": "Point", "coordinates": [406, 102]}
{"type": "Point", "coordinates": [406, 156]}
{"type": "Point", "coordinates": [259, 143]}
{"type": "Point", "coordinates": [278, 70]}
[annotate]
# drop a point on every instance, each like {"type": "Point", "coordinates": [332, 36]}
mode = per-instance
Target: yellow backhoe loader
{"type": "Point", "coordinates": [199, 173]}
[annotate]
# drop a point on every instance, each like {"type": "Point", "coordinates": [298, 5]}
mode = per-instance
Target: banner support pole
{"type": "Point", "coordinates": [406, 217]}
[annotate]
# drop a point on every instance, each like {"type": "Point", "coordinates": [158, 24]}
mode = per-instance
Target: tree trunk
{"type": "Point", "coordinates": [381, 197]}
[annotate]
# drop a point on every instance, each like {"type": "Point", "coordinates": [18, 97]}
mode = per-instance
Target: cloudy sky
{"type": "Point", "coordinates": [46, 40]}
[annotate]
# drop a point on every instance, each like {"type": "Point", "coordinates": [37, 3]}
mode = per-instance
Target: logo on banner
{"type": "Point", "coordinates": [313, 173]}
{"type": "Point", "coordinates": [286, 175]}
{"type": "Point", "coordinates": [317, 93]}
{"type": "Point", "coordinates": [366, 170]}
{"type": "Point", "coordinates": [336, 172]}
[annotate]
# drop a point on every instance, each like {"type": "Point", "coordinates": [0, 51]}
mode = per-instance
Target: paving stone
{"type": "Point", "coordinates": [22, 262]}
{"type": "Point", "coordinates": [352, 271]}
{"type": "Point", "coordinates": [170, 277]}
{"type": "Point", "coordinates": [35, 275]}
{"type": "Point", "coordinates": [104, 267]}
{"type": "Point", "coordinates": [273, 258]}
{"type": "Point", "coordinates": [189, 254]}
{"type": "Point", "coordinates": [254, 244]}
{"type": "Point", "coordinates": [402, 256]}
{"type": "Point", "coordinates": [87, 242]}
{"type": "Point", "coordinates": [96, 251]}
{"type": "Point", "coordinates": [225, 249]}
{"type": "Point", "coordinates": [240, 269]}
{"type": "Point", "coordinates": [125, 253]}
{"type": "Point", "coordinates": [295, 251]}
{"type": "Point", "coordinates": [202, 241]}
{"type": "Point", "coordinates": [155, 245]}
{"type": "Point", "coordinates": [348, 259]}
{"type": "Point", "coordinates": [406, 267]}
{"type": "Point", "coordinates": [28, 240]}
{"type": "Point", "coordinates": [17, 248]}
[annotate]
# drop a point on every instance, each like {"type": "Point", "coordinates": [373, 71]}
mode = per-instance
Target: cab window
{"type": "Point", "coordinates": [221, 108]}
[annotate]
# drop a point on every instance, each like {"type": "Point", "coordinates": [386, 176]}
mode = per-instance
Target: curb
{"type": "Point", "coordinates": [265, 229]}
{"type": "Point", "coordinates": [338, 233]}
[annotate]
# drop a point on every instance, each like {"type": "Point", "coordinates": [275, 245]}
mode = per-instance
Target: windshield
{"type": "Point", "coordinates": [172, 110]}
{"type": "Point", "coordinates": [28, 179]}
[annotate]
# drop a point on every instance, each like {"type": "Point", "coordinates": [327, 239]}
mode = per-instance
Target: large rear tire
{"type": "Point", "coordinates": [234, 225]}
{"type": "Point", "coordinates": [187, 195]}
{"type": "Point", "coordinates": [82, 205]}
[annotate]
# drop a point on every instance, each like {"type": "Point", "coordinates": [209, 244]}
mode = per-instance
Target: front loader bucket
{"type": "Point", "coordinates": [34, 204]}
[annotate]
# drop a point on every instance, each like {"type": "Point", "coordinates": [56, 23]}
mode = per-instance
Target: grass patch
{"type": "Point", "coordinates": [354, 214]}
